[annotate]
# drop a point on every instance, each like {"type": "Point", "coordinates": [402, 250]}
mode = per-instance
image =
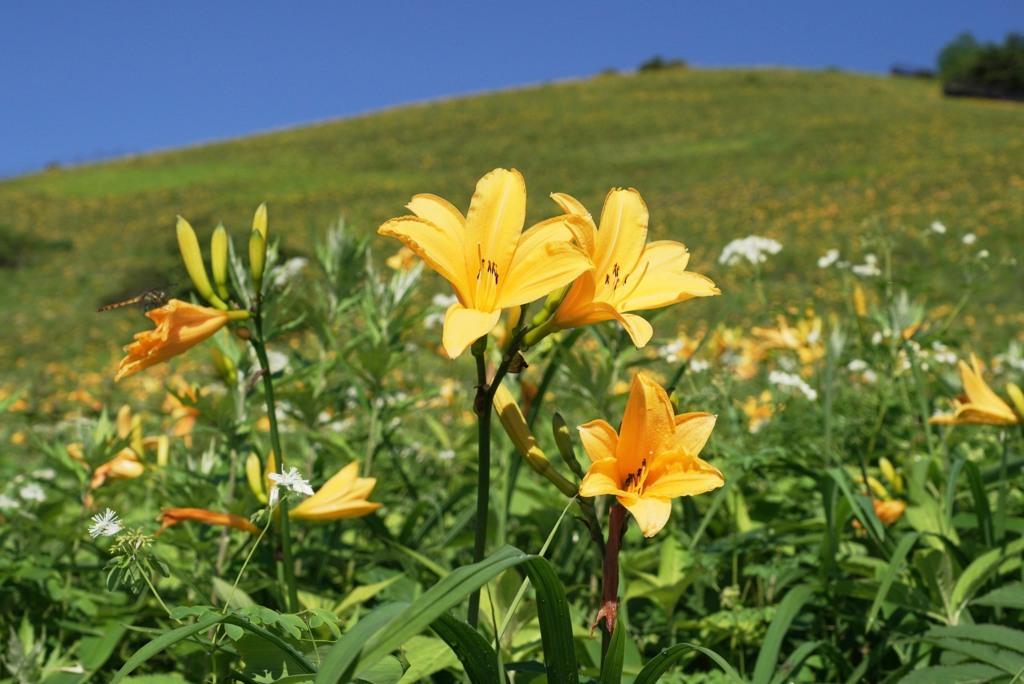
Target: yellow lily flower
{"type": "Point", "coordinates": [490, 262]}
{"type": "Point", "coordinates": [652, 459]}
{"type": "Point", "coordinates": [179, 327]}
{"type": "Point", "coordinates": [628, 275]}
{"type": "Point", "coordinates": [980, 406]}
{"type": "Point", "coordinates": [343, 496]}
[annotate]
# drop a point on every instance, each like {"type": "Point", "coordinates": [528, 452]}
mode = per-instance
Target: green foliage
{"type": "Point", "coordinates": [805, 567]}
{"type": "Point", "coordinates": [985, 70]}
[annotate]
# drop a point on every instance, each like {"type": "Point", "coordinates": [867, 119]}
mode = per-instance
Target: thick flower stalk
{"type": "Point", "coordinates": [491, 263]}
{"type": "Point", "coordinates": [629, 274]}
{"type": "Point", "coordinates": [980, 405]}
{"type": "Point", "coordinates": [652, 459]}
{"type": "Point", "coordinates": [179, 327]}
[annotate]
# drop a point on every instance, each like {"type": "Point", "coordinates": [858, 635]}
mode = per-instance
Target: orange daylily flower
{"type": "Point", "coordinates": [980, 406]}
{"type": "Point", "coordinates": [889, 511]}
{"type": "Point", "coordinates": [179, 327]}
{"type": "Point", "coordinates": [652, 459]}
{"type": "Point", "coordinates": [628, 275]}
{"type": "Point", "coordinates": [173, 516]}
{"type": "Point", "coordinates": [490, 262]}
{"type": "Point", "coordinates": [343, 496]}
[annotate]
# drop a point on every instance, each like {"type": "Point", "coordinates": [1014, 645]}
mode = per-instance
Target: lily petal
{"type": "Point", "coordinates": [463, 327]}
{"type": "Point", "coordinates": [692, 432]}
{"type": "Point", "coordinates": [681, 474]}
{"type": "Point", "coordinates": [602, 478]}
{"type": "Point", "coordinates": [621, 234]}
{"type": "Point", "coordinates": [647, 423]}
{"type": "Point", "coordinates": [667, 281]}
{"type": "Point", "coordinates": [433, 243]}
{"type": "Point", "coordinates": [599, 439]}
{"type": "Point", "coordinates": [543, 271]}
{"type": "Point", "coordinates": [651, 513]}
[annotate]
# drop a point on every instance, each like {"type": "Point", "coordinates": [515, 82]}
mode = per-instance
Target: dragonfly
{"type": "Point", "coordinates": [148, 300]}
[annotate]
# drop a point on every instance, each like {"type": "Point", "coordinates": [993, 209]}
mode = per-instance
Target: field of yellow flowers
{"type": "Point", "coordinates": [739, 401]}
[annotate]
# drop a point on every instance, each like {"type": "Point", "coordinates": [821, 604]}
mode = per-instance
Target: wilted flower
{"type": "Point", "coordinates": [173, 516]}
{"type": "Point", "coordinates": [652, 459]}
{"type": "Point", "coordinates": [180, 326]}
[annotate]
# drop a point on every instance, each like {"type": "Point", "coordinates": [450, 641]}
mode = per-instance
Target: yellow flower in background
{"type": "Point", "coordinates": [173, 516]}
{"type": "Point", "coordinates": [629, 274]}
{"type": "Point", "coordinates": [980, 406]}
{"type": "Point", "coordinates": [652, 459]}
{"type": "Point", "coordinates": [343, 496]}
{"type": "Point", "coordinates": [179, 327]}
{"type": "Point", "coordinates": [490, 262]}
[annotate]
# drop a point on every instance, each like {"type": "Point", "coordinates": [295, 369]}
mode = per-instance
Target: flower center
{"type": "Point", "coordinates": [614, 278]}
{"type": "Point", "coordinates": [487, 278]}
{"type": "Point", "coordinates": [634, 483]}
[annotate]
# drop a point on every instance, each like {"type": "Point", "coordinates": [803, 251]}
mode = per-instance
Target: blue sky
{"type": "Point", "coordinates": [82, 81]}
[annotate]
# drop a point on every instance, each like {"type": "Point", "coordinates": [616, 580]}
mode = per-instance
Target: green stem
{"type": "Point", "coordinates": [286, 566]}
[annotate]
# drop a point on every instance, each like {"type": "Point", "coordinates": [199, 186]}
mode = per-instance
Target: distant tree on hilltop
{"type": "Point", "coordinates": [970, 68]}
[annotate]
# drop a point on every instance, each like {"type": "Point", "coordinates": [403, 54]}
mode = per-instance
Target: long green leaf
{"type": "Point", "coordinates": [344, 654]}
{"type": "Point", "coordinates": [417, 616]}
{"type": "Point", "coordinates": [970, 673]}
{"type": "Point", "coordinates": [478, 659]}
{"type": "Point", "coordinates": [795, 660]}
{"type": "Point", "coordinates": [788, 608]}
{"type": "Point", "coordinates": [660, 663]}
{"type": "Point", "coordinates": [979, 571]}
{"type": "Point", "coordinates": [204, 623]}
{"type": "Point", "coordinates": [907, 542]}
{"type": "Point", "coordinates": [555, 622]}
{"type": "Point", "coordinates": [611, 668]}
{"type": "Point", "coordinates": [997, 635]}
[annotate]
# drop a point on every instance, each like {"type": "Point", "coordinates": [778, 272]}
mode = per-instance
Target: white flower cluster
{"type": "Point", "coordinates": [780, 379]}
{"type": "Point", "coordinates": [869, 269]}
{"type": "Point", "coordinates": [752, 248]}
{"type": "Point", "coordinates": [831, 257]}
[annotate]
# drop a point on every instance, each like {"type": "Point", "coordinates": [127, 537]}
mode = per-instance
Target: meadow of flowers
{"type": "Point", "coordinates": [548, 474]}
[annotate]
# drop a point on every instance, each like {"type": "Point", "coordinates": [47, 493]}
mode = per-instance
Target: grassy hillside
{"type": "Point", "coordinates": [809, 159]}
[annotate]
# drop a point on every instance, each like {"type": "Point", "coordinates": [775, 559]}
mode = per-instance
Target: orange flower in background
{"type": "Point", "coordinates": [179, 327]}
{"type": "Point", "coordinates": [980, 405]}
{"type": "Point", "coordinates": [629, 274]}
{"type": "Point", "coordinates": [343, 496]}
{"type": "Point", "coordinates": [889, 511]}
{"type": "Point", "coordinates": [652, 459]}
{"type": "Point", "coordinates": [173, 516]}
{"type": "Point", "coordinates": [485, 255]}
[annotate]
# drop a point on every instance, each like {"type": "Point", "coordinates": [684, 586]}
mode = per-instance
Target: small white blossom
{"type": "Point", "coordinates": [869, 268]}
{"type": "Point", "coordinates": [699, 365]}
{"type": "Point", "coordinates": [286, 272]}
{"type": "Point", "coordinates": [44, 474]}
{"type": "Point", "coordinates": [752, 248]}
{"type": "Point", "coordinates": [291, 480]}
{"type": "Point", "coordinates": [938, 228]}
{"type": "Point", "coordinates": [969, 239]}
{"type": "Point", "coordinates": [857, 366]}
{"type": "Point", "coordinates": [670, 352]}
{"type": "Point", "coordinates": [446, 454]}
{"type": "Point", "coordinates": [943, 354]}
{"type": "Point", "coordinates": [781, 379]}
{"type": "Point", "coordinates": [105, 524]}
{"type": "Point", "coordinates": [983, 254]}
{"type": "Point", "coordinates": [32, 492]}
{"type": "Point", "coordinates": [831, 257]}
{"type": "Point", "coordinates": [7, 503]}
{"type": "Point", "coordinates": [442, 302]}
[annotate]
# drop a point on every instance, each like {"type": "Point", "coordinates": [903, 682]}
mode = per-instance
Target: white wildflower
{"type": "Point", "coordinates": [938, 228]}
{"type": "Point", "coordinates": [780, 379]}
{"type": "Point", "coordinates": [670, 352]}
{"type": "Point", "coordinates": [32, 492]}
{"type": "Point", "coordinates": [752, 248]}
{"type": "Point", "coordinates": [446, 454]}
{"type": "Point", "coordinates": [869, 268]}
{"type": "Point", "coordinates": [983, 254]}
{"type": "Point", "coordinates": [44, 474]}
{"type": "Point", "coordinates": [292, 480]}
{"type": "Point", "coordinates": [943, 354]}
{"type": "Point", "coordinates": [7, 503]}
{"type": "Point", "coordinates": [969, 239]}
{"type": "Point", "coordinates": [699, 365]}
{"type": "Point", "coordinates": [831, 257]}
{"type": "Point", "coordinates": [442, 302]}
{"type": "Point", "coordinates": [857, 366]}
{"type": "Point", "coordinates": [105, 524]}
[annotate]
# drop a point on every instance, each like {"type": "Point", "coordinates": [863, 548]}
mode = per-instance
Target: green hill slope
{"type": "Point", "coordinates": [805, 158]}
